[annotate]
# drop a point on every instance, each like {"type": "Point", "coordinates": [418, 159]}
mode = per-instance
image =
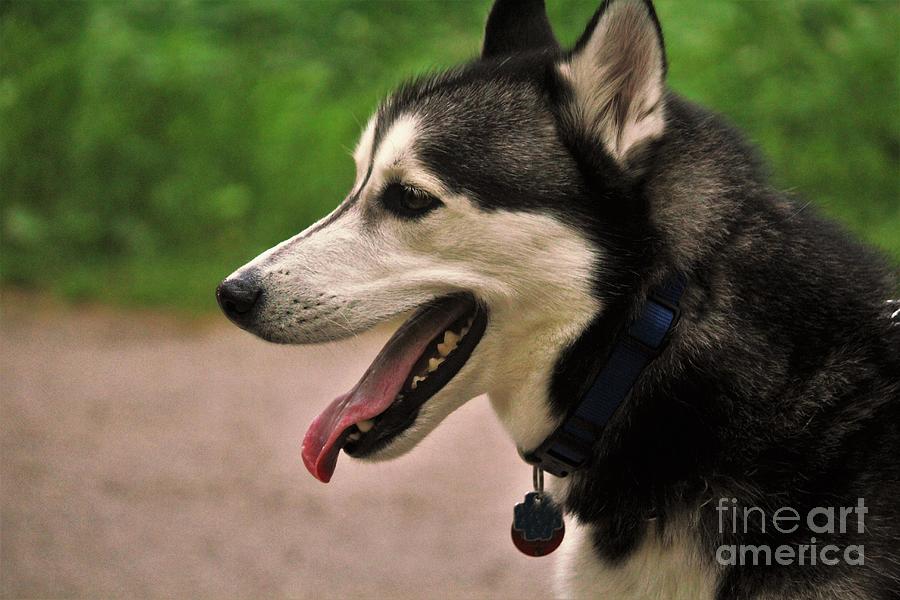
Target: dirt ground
{"type": "Point", "coordinates": [147, 457]}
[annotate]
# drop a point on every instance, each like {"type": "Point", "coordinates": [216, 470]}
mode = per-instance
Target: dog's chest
{"type": "Point", "coordinates": [655, 570]}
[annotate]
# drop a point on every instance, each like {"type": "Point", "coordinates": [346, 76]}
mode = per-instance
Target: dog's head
{"type": "Point", "coordinates": [475, 211]}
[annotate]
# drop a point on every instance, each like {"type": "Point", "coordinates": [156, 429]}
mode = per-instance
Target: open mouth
{"type": "Point", "coordinates": [417, 362]}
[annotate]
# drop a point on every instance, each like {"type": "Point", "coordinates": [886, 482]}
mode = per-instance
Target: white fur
{"type": "Point", "coordinates": [660, 569]}
{"type": "Point", "coordinates": [362, 155]}
{"type": "Point", "coordinates": [397, 144]}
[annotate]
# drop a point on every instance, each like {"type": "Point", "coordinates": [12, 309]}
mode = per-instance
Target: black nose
{"type": "Point", "coordinates": [237, 297]}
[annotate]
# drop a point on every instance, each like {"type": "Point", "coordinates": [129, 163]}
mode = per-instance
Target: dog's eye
{"type": "Point", "coordinates": [405, 201]}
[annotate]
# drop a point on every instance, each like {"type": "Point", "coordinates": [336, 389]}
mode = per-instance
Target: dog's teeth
{"type": "Point", "coordinates": [365, 426]}
{"type": "Point", "coordinates": [415, 381]}
{"type": "Point", "coordinates": [353, 437]}
{"type": "Point", "coordinates": [449, 344]}
{"type": "Point", "coordinates": [434, 363]}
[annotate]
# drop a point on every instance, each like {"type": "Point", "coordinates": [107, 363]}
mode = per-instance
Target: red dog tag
{"type": "Point", "coordinates": [538, 527]}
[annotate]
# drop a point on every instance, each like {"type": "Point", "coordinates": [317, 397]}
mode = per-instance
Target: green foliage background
{"type": "Point", "coordinates": [148, 148]}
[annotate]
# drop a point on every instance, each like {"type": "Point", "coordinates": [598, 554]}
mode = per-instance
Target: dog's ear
{"type": "Point", "coordinates": [517, 26]}
{"type": "Point", "coordinates": [617, 72]}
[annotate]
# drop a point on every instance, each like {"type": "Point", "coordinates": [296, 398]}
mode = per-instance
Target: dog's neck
{"type": "Point", "coordinates": [520, 396]}
{"type": "Point", "coordinates": [570, 353]}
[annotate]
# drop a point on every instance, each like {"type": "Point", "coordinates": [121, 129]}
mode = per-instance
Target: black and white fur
{"type": "Point", "coordinates": [569, 183]}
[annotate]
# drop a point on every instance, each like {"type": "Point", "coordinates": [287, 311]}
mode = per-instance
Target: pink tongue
{"type": "Point", "coordinates": [375, 392]}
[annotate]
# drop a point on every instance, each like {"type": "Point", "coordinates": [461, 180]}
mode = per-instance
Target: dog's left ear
{"type": "Point", "coordinates": [517, 26]}
{"type": "Point", "coordinates": [617, 73]}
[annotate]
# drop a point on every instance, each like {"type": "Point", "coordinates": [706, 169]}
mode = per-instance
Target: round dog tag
{"type": "Point", "coordinates": [538, 527]}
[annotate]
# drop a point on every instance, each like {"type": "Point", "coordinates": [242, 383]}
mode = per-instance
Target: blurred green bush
{"type": "Point", "coordinates": [148, 148]}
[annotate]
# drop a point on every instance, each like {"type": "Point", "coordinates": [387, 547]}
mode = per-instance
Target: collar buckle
{"type": "Point", "coordinates": [653, 329]}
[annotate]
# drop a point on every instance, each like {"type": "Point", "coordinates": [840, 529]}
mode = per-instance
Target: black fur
{"type": "Point", "coordinates": [795, 403]}
{"type": "Point", "coordinates": [517, 26]}
{"type": "Point", "coordinates": [780, 386]}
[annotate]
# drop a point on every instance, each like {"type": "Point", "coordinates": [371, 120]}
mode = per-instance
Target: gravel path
{"type": "Point", "coordinates": [146, 457]}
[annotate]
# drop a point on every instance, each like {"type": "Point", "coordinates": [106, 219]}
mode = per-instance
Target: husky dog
{"type": "Point", "coordinates": [520, 209]}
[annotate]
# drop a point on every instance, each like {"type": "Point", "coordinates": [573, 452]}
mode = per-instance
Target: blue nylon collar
{"type": "Point", "coordinates": [570, 447]}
